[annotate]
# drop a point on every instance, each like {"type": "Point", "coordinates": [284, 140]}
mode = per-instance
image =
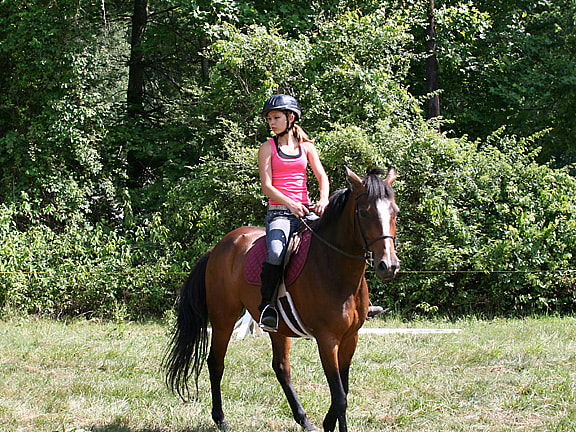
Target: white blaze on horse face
{"type": "Point", "coordinates": [386, 213]}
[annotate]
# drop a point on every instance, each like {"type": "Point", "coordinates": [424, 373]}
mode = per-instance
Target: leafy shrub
{"type": "Point", "coordinates": [83, 270]}
{"type": "Point", "coordinates": [491, 230]}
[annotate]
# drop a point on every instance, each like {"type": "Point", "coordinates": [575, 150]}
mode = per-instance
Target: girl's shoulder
{"type": "Point", "coordinates": [267, 145]}
{"type": "Point", "coordinates": [308, 146]}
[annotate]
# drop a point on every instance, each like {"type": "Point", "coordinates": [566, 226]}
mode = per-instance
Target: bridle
{"type": "Point", "coordinates": [368, 256]}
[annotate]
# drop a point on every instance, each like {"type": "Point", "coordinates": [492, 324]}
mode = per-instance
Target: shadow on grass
{"type": "Point", "coordinates": [120, 428]}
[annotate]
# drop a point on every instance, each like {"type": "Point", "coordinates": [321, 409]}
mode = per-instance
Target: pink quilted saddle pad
{"type": "Point", "coordinates": [257, 255]}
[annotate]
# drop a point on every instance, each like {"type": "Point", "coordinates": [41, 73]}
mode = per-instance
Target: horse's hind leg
{"type": "Point", "coordinates": [222, 328]}
{"type": "Point", "coordinates": [281, 366]}
{"type": "Point", "coordinates": [218, 349]}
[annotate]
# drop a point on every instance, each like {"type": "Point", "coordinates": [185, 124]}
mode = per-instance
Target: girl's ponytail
{"type": "Point", "coordinates": [300, 134]}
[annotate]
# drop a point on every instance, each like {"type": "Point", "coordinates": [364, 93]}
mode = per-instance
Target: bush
{"type": "Point", "coordinates": [490, 229]}
{"type": "Point", "coordinates": [83, 270]}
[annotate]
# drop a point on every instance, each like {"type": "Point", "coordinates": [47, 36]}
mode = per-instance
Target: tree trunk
{"type": "Point", "coordinates": [432, 63]}
{"type": "Point", "coordinates": [135, 95]}
{"type": "Point", "coordinates": [203, 59]}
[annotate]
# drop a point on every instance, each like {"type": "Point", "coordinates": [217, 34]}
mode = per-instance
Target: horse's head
{"type": "Point", "coordinates": [375, 215]}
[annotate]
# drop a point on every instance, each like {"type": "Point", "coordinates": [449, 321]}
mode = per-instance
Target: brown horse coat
{"type": "Point", "coordinates": [331, 296]}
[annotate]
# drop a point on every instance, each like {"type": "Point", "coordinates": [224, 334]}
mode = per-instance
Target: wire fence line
{"type": "Point", "coordinates": [484, 271]}
{"type": "Point", "coordinates": [101, 273]}
{"type": "Point", "coordinates": [181, 273]}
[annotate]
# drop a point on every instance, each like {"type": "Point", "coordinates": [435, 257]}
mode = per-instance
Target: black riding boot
{"type": "Point", "coordinates": [270, 277]}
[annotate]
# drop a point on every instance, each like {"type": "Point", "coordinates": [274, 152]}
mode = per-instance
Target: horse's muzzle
{"type": "Point", "coordinates": [387, 270]}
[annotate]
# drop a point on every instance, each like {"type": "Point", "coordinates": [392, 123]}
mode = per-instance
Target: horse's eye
{"type": "Point", "coordinates": [363, 213]}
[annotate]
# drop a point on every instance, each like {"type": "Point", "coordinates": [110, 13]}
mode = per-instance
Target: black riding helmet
{"type": "Point", "coordinates": [282, 102]}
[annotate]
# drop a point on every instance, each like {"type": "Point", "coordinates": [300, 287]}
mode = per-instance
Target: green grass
{"type": "Point", "coordinates": [500, 375]}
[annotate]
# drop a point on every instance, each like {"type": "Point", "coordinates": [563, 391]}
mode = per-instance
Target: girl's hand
{"type": "Point", "coordinates": [299, 210]}
{"type": "Point", "coordinates": [319, 207]}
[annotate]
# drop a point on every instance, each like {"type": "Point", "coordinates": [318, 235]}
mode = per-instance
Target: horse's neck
{"type": "Point", "coordinates": [344, 232]}
{"type": "Point", "coordinates": [344, 236]}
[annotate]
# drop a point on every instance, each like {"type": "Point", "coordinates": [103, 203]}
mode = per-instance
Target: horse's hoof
{"type": "Point", "coordinates": [223, 426]}
{"type": "Point", "coordinates": [307, 426]}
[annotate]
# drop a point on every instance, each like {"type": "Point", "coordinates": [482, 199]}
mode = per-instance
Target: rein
{"type": "Point", "coordinates": [330, 245]}
{"type": "Point", "coordinates": [368, 256]}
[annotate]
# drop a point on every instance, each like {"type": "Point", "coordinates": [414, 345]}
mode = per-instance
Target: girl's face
{"type": "Point", "coordinates": [278, 121]}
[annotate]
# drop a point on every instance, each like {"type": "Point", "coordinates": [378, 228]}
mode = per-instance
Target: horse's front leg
{"type": "Point", "coordinates": [329, 354]}
{"type": "Point", "coordinates": [345, 354]}
{"type": "Point", "coordinates": [281, 366]}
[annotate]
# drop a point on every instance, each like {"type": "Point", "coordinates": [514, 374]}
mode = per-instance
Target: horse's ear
{"type": "Point", "coordinates": [391, 176]}
{"type": "Point", "coordinates": [354, 178]}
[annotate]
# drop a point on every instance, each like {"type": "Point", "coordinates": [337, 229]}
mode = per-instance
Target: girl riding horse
{"type": "Point", "coordinates": [282, 163]}
{"type": "Point", "coordinates": [330, 295]}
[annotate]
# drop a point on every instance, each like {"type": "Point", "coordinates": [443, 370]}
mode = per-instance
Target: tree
{"type": "Point", "coordinates": [432, 63]}
{"type": "Point", "coordinates": [511, 65]}
{"type": "Point", "coordinates": [53, 103]}
{"type": "Point", "coordinates": [135, 93]}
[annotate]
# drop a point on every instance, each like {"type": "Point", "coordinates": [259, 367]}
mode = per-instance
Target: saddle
{"type": "Point", "coordinates": [296, 255]}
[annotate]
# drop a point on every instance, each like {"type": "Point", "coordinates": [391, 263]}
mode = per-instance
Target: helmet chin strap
{"type": "Point", "coordinates": [289, 128]}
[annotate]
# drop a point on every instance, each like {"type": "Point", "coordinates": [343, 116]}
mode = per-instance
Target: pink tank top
{"type": "Point", "coordinates": [289, 175]}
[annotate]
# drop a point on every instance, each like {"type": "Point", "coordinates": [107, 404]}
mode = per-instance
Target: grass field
{"type": "Point", "coordinates": [501, 375]}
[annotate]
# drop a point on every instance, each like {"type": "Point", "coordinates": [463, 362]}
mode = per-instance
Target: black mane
{"type": "Point", "coordinates": [376, 188]}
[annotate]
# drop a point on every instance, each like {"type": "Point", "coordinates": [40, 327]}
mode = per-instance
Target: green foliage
{"type": "Point", "coordinates": [492, 212]}
{"type": "Point", "coordinates": [250, 66]}
{"type": "Point", "coordinates": [55, 103]}
{"type": "Point", "coordinates": [103, 212]}
{"type": "Point", "coordinates": [217, 196]}
{"type": "Point", "coordinates": [348, 146]}
{"type": "Point", "coordinates": [83, 270]}
{"type": "Point", "coordinates": [348, 71]}
{"type": "Point", "coordinates": [510, 65]}
{"type": "Point", "coordinates": [355, 70]}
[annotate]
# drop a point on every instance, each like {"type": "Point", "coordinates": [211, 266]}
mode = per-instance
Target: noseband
{"type": "Point", "coordinates": [368, 254]}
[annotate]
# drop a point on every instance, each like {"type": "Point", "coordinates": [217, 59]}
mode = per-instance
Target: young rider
{"type": "Point", "coordinates": [282, 162]}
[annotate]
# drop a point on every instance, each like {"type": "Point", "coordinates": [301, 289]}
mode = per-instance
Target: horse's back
{"type": "Point", "coordinates": [237, 243]}
{"type": "Point", "coordinates": [225, 280]}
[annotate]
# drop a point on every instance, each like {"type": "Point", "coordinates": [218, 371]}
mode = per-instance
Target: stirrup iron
{"type": "Point", "coordinates": [268, 327]}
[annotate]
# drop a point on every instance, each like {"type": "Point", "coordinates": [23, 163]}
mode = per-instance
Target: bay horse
{"type": "Point", "coordinates": [330, 295]}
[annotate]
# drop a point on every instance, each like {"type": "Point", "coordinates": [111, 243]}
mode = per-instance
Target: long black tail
{"type": "Point", "coordinates": [189, 345]}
